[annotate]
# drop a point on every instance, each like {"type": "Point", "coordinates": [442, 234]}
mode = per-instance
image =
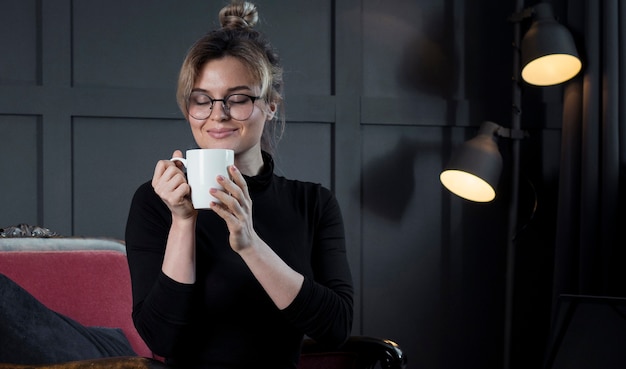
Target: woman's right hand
{"type": "Point", "coordinates": [170, 183]}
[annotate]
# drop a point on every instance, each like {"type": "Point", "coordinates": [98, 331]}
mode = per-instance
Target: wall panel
{"type": "Point", "coordinates": [111, 158]}
{"type": "Point", "coordinates": [20, 179]}
{"type": "Point", "coordinates": [305, 153]}
{"type": "Point", "coordinates": [137, 44]}
{"type": "Point", "coordinates": [406, 49]}
{"type": "Point", "coordinates": [301, 31]}
{"type": "Point", "coordinates": [19, 42]}
{"type": "Point", "coordinates": [402, 228]}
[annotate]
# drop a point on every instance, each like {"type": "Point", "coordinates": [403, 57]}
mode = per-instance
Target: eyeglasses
{"type": "Point", "coordinates": [236, 106]}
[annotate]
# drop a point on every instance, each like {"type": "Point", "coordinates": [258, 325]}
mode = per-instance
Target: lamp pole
{"type": "Point", "coordinates": [513, 200]}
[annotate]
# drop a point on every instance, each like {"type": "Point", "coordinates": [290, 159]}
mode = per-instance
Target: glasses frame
{"type": "Point", "coordinates": [224, 105]}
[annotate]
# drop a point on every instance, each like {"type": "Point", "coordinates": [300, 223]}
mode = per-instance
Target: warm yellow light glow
{"type": "Point", "coordinates": [551, 69]}
{"type": "Point", "coordinates": [467, 186]}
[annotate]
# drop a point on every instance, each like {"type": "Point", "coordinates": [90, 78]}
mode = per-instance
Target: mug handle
{"type": "Point", "coordinates": [182, 160]}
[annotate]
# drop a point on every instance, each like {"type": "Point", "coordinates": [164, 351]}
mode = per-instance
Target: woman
{"type": "Point", "coordinates": [241, 284]}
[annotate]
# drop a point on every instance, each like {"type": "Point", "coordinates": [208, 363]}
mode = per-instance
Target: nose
{"type": "Point", "coordinates": [222, 113]}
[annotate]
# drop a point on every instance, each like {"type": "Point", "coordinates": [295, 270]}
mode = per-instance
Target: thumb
{"type": "Point", "coordinates": [177, 154]}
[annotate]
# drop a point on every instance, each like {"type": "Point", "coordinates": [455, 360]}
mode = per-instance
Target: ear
{"type": "Point", "coordinates": [271, 112]}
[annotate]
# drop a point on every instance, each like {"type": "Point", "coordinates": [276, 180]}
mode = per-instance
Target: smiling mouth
{"type": "Point", "coordinates": [221, 133]}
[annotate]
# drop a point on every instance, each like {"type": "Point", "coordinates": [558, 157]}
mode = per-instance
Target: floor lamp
{"type": "Point", "coordinates": [546, 56]}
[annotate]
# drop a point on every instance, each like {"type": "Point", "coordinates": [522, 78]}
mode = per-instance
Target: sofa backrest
{"type": "Point", "coordinates": [85, 279]}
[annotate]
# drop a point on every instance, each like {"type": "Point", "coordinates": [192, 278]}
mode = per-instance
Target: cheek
{"type": "Point", "coordinates": [196, 128]}
{"type": "Point", "coordinates": [194, 124]}
{"type": "Point", "coordinates": [253, 128]}
{"type": "Point", "coordinates": [258, 123]}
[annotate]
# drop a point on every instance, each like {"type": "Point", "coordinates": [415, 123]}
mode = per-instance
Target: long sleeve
{"type": "Point", "coordinates": [324, 307]}
{"type": "Point", "coordinates": [160, 305]}
{"type": "Point", "coordinates": [226, 318]}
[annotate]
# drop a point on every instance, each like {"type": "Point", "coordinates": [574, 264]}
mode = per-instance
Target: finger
{"type": "Point", "coordinates": [222, 210]}
{"type": "Point", "coordinates": [168, 178]}
{"type": "Point", "coordinates": [180, 194]}
{"type": "Point", "coordinates": [237, 177]}
{"type": "Point", "coordinates": [226, 199]}
{"type": "Point", "coordinates": [162, 165]}
{"type": "Point", "coordinates": [228, 186]}
{"type": "Point", "coordinates": [232, 195]}
{"type": "Point", "coordinates": [174, 192]}
{"type": "Point", "coordinates": [159, 170]}
{"type": "Point", "coordinates": [237, 186]}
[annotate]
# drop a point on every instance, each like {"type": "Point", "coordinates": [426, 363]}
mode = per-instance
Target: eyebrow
{"type": "Point", "coordinates": [230, 90]}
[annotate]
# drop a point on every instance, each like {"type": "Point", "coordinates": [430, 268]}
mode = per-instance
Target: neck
{"type": "Point", "coordinates": [250, 162]}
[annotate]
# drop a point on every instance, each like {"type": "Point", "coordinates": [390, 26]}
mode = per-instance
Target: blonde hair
{"type": "Point", "coordinates": [238, 39]}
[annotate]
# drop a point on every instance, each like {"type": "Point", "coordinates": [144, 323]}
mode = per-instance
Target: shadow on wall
{"type": "Point", "coordinates": [428, 63]}
{"type": "Point", "coordinates": [427, 66]}
{"type": "Point", "coordinates": [389, 181]}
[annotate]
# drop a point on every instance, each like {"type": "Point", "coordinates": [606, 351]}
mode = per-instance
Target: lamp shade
{"type": "Point", "coordinates": [548, 52]}
{"type": "Point", "coordinates": [474, 169]}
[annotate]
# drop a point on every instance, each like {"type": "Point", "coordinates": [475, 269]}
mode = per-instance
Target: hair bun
{"type": "Point", "coordinates": [239, 14]}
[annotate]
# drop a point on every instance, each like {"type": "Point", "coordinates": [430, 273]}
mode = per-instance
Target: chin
{"type": "Point", "coordinates": [218, 145]}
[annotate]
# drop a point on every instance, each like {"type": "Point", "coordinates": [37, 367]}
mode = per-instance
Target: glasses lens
{"type": "Point", "coordinates": [239, 106]}
{"type": "Point", "coordinates": [199, 105]}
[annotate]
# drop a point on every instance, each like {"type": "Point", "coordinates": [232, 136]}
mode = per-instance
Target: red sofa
{"type": "Point", "coordinates": [86, 279]}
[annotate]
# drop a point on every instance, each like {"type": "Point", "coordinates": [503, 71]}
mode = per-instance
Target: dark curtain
{"type": "Point", "coordinates": [590, 257]}
{"type": "Point", "coordinates": [590, 246]}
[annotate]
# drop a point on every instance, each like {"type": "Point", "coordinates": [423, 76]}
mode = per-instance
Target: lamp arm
{"type": "Point", "coordinates": [512, 133]}
{"type": "Point", "coordinates": [489, 128]}
{"type": "Point", "coordinates": [521, 15]}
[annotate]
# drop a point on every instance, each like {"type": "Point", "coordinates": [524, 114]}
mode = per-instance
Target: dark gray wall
{"type": "Point", "coordinates": [378, 93]}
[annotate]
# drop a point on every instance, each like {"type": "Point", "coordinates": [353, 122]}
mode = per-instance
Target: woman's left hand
{"type": "Point", "coordinates": [236, 209]}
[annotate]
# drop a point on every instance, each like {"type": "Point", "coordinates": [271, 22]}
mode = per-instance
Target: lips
{"type": "Point", "coordinates": [221, 133]}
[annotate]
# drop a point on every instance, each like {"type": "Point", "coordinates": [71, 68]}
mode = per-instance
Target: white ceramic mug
{"type": "Point", "coordinates": [203, 167]}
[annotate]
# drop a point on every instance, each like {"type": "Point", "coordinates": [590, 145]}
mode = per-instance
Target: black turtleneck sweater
{"type": "Point", "coordinates": [225, 319]}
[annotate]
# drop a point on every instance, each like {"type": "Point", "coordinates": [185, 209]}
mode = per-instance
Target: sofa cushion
{"type": "Point", "coordinates": [61, 244]}
{"type": "Point", "coordinates": [92, 286]}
